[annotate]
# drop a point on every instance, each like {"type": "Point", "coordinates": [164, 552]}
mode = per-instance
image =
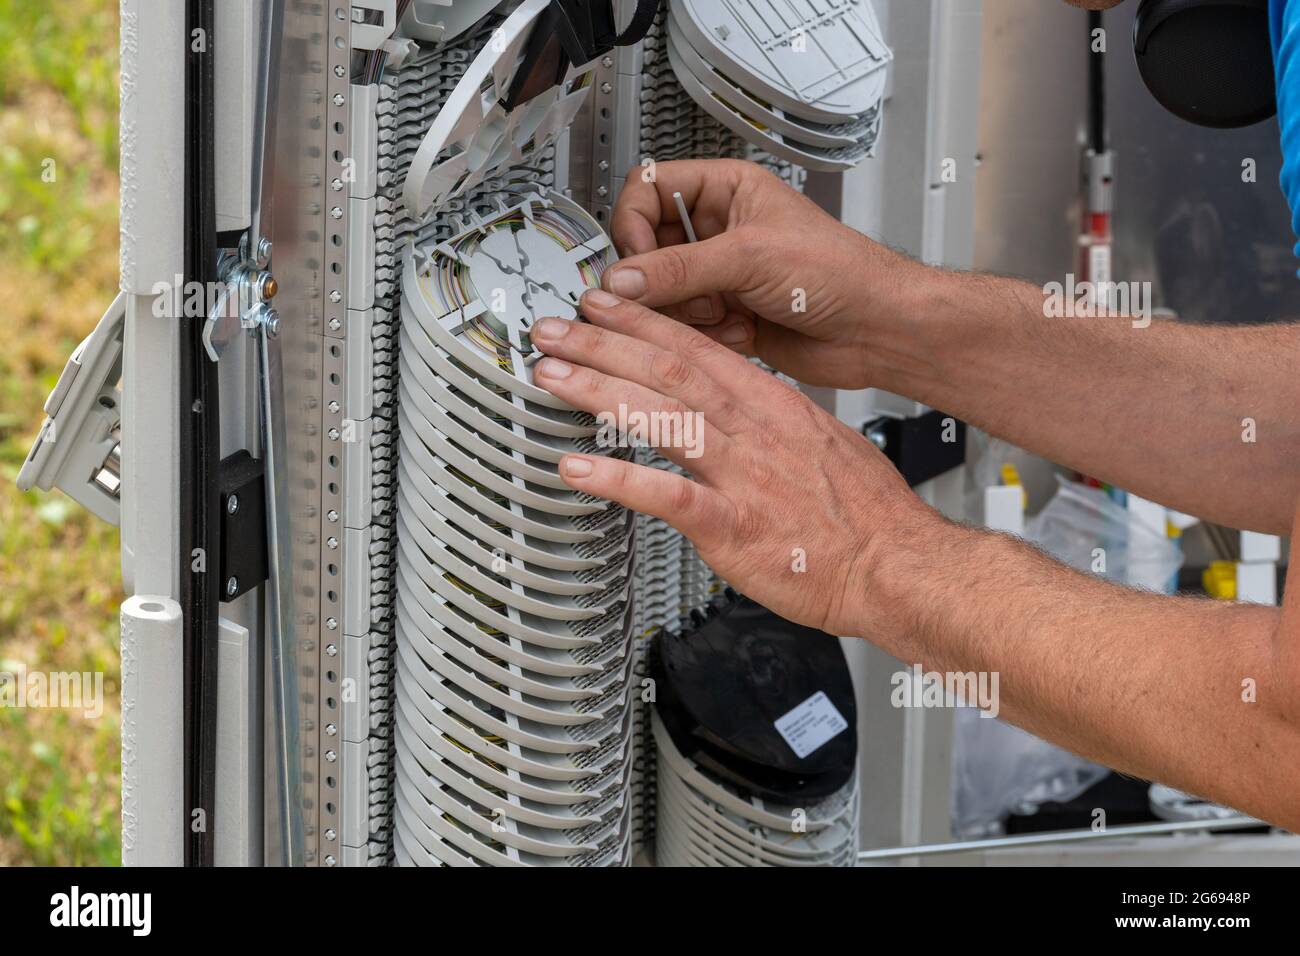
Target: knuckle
{"type": "Point", "coordinates": [727, 410]}
{"type": "Point", "coordinates": [747, 525]}
{"type": "Point", "coordinates": [694, 346]}
{"type": "Point", "coordinates": [672, 266]}
{"type": "Point", "coordinates": [683, 496]}
{"type": "Point", "coordinates": [591, 339]}
{"type": "Point", "coordinates": [669, 370]}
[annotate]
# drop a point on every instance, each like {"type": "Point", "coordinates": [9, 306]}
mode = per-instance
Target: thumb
{"type": "Point", "coordinates": [681, 273]}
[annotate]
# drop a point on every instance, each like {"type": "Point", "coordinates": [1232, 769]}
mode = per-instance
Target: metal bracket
{"type": "Point", "coordinates": [243, 525]}
{"type": "Point", "coordinates": [79, 447]}
{"type": "Point", "coordinates": [921, 448]}
{"type": "Point", "coordinates": [242, 302]}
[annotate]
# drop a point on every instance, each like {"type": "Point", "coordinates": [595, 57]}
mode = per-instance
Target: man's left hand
{"type": "Point", "coordinates": [787, 504]}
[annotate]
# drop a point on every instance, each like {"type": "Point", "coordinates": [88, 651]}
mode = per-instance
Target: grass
{"type": "Point", "coordinates": [59, 569]}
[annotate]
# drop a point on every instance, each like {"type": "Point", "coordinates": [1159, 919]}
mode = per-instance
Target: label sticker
{"type": "Point", "coordinates": [811, 724]}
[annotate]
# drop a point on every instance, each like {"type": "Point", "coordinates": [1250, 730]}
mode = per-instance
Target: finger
{"type": "Point", "coordinates": [664, 372]}
{"type": "Point", "coordinates": [646, 202]}
{"type": "Point", "coordinates": [735, 333]}
{"type": "Point", "coordinates": [731, 371]}
{"type": "Point", "coordinates": [681, 434]}
{"type": "Point", "coordinates": [700, 513]}
{"type": "Point", "coordinates": [695, 270]}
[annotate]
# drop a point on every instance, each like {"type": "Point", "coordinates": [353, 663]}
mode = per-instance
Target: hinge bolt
{"type": "Point", "coordinates": [232, 504]}
{"type": "Point", "coordinates": [232, 586]}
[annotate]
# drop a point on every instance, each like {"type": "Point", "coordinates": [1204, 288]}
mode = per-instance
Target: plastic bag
{"type": "Point", "coordinates": [1084, 528]}
{"type": "Point", "coordinates": [998, 768]}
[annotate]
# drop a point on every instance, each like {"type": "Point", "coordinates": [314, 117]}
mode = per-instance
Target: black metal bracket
{"type": "Point", "coordinates": [243, 525]}
{"type": "Point", "coordinates": [921, 448]}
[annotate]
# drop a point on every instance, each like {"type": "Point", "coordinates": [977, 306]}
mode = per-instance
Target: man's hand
{"type": "Point", "coordinates": [807, 517]}
{"type": "Point", "coordinates": [772, 276]}
{"type": "Point", "coordinates": [1172, 412]}
{"type": "Point", "coordinates": [786, 502]}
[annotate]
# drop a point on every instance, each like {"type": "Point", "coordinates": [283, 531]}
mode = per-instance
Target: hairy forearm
{"type": "Point", "coordinates": [1193, 693]}
{"type": "Point", "coordinates": [1203, 419]}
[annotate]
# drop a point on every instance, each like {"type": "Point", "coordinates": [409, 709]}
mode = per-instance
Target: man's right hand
{"type": "Point", "coordinates": [772, 275]}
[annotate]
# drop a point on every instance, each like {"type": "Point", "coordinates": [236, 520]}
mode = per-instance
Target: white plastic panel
{"type": "Point", "coordinates": [474, 136]}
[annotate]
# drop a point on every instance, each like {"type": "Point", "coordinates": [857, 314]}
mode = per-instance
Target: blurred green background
{"type": "Point", "coordinates": [60, 581]}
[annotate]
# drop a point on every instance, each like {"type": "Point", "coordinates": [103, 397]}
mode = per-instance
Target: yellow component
{"type": "Point", "coordinates": [1011, 478]}
{"type": "Point", "coordinates": [1173, 531]}
{"type": "Point", "coordinates": [1220, 580]}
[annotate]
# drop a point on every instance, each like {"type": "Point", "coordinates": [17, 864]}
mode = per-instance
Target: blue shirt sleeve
{"type": "Point", "coordinates": [1284, 22]}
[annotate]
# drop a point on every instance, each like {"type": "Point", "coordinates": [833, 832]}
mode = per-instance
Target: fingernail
{"type": "Point", "coordinates": [700, 308]}
{"type": "Point", "coordinates": [550, 329]}
{"type": "Point", "coordinates": [554, 368]}
{"type": "Point", "coordinates": [577, 467]}
{"type": "Point", "coordinates": [629, 282]}
{"type": "Point", "coordinates": [600, 299]}
{"type": "Point", "coordinates": [734, 334]}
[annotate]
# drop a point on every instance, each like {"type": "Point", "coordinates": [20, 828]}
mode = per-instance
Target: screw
{"type": "Point", "coordinates": [606, 87]}
{"type": "Point", "coordinates": [331, 650]}
{"type": "Point", "coordinates": [329, 860]}
{"type": "Point", "coordinates": [334, 407]}
{"type": "Point", "coordinates": [339, 71]}
{"type": "Point", "coordinates": [331, 623]}
{"type": "Point", "coordinates": [332, 543]}
{"type": "Point", "coordinates": [263, 249]}
{"type": "Point", "coordinates": [331, 730]}
{"type": "Point", "coordinates": [602, 191]}
{"type": "Point", "coordinates": [336, 296]}
{"type": "Point", "coordinates": [331, 835]}
{"type": "Point", "coordinates": [336, 212]}
{"type": "Point", "coordinates": [331, 756]}
{"type": "Point", "coordinates": [607, 62]}
{"type": "Point", "coordinates": [232, 586]}
{"type": "Point", "coordinates": [336, 184]}
{"type": "Point", "coordinates": [877, 437]}
{"type": "Point", "coordinates": [232, 504]}
{"type": "Point", "coordinates": [333, 434]}
{"type": "Point", "coordinates": [338, 99]}
{"type": "Point", "coordinates": [335, 325]}
{"type": "Point", "coordinates": [332, 515]}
